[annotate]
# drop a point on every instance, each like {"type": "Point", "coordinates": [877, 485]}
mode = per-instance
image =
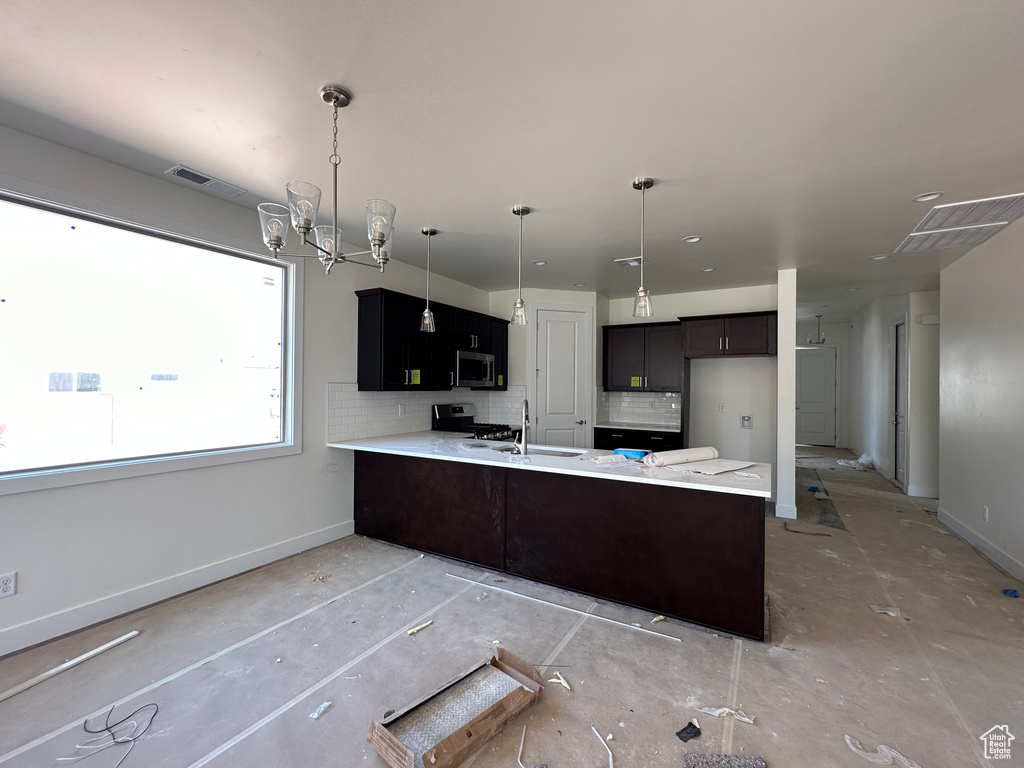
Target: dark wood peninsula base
{"type": "Point", "coordinates": [691, 554]}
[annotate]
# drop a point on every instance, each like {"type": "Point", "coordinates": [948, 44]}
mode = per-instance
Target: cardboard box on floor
{"type": "Point", "coordinates": [455, 748]}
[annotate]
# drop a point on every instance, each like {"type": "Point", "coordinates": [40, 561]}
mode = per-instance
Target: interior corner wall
{"type": "Point", "coordinates": [88, 552]}
{"type": "Point", "coordinates": [869, 379]}
{"type": "Point", "coordinates": [923, 415]}
{"type": "Point", "coordinates": [981, 374]}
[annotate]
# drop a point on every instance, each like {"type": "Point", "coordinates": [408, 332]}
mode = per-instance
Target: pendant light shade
{"type": "Point", "coordinates": [519, 307]}
{"type": "Point", "coordinates": [642, 306]}
{"type": "Point", "coordinates": [427, 319]}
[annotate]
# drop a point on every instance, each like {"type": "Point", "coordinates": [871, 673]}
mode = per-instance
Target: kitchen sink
{"type": "Point", "coordinates": [545, 450]}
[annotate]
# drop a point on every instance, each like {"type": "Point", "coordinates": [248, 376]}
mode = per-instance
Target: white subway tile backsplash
{"type": "Point", "coordinates": [353, 414]}
{"type": "Point", "coordinates": [636, 407]}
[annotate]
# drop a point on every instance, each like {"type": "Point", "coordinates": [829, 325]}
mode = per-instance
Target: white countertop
{"type": "Point", "coordinates": [453, 446]}
{"type": "Point", "coordinates": [637, 425]}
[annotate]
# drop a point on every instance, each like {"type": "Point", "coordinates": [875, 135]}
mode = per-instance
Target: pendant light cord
{"type": "Point", "coordinates": [428, 272]}
{"type": "Point", "coordinates": [520, 253]}
{"type": "Point", "coordinates": [643, 217]}
{"type": "Point", "coordinates": [335, 160]}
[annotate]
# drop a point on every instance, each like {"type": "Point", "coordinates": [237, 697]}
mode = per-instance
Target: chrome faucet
{"type": "Point", "coordinates": [520, 446]}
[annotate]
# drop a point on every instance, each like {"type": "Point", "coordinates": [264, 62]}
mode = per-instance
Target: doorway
{"type": "Point", "coordinates": [898, 400]}
{"type": "Point", "coordinates": [563, 377]}
{"type": "Point", "coordinates": [816, 396]}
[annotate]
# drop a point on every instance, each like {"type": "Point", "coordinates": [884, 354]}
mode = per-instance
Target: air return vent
{"type": "Point", "coordinates": [957, 237]}
{"type": "Point", "coordinates": [208, 183]}
{"type": "Point", "coordinates": [630, 261]}
{"type": "Point", "coordinates": [991, 210]}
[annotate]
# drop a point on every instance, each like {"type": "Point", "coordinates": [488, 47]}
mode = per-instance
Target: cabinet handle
{"type": "Point", "coordinates": [719, 343]}
{"type": "Point", "coordinates": [616, 435]}
{"type": "Point", "coordinates": [656, 438]}
{"type": "Point", "coordinates": [726, 343]}
{"type": "Point", "coordinates": [407, 377]}
{"type": "Point", "coordinates": [645, 382]}
{"type": "Point", "coordinates": [451, 379]}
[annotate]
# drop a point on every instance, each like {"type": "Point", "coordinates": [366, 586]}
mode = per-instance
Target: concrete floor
{"type": "Point", "coordinates": [928, 687]}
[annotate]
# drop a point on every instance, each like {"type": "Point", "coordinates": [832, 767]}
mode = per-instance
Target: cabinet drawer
{"type": "Point", "coordinates": [610, 439]}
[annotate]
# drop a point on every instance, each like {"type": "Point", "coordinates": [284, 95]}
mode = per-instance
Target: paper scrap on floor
{"type": "Point", "coordinates": [711, 466]}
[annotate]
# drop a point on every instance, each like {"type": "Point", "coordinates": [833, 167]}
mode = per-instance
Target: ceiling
{"type": "Point", "coordinates": [787, 134]}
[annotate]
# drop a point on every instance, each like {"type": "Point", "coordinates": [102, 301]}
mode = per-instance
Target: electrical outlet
{"type": "Point", "coordinates": [985, 510]}
{"type": "Point", "coordinates": [8, 584]}
{"type": "Point", "coordinates": [652, 405]}
{"type": "Point", "coordinates": [721, 407]}
{"type": "Point", "coordinates": [746, 422]}
{"type": "Point", "coordinates": [401, 409]}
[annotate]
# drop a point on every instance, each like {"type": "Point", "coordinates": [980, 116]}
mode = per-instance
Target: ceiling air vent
{"type": "Point", "coordinates": [957, 237]}
{"type": "Point", "coordinates": [630, 261]}
{"type": "Point", "coordinates": [208, 183]}
{"type": "Point", "coordinates": [988, 211]}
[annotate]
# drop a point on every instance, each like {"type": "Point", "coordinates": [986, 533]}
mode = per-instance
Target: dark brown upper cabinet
{"type": "Point", "coordinates": [742, 335]}
{"type": "Point", "coordinates": [643, 357]}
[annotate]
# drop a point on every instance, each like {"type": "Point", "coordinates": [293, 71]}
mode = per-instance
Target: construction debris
{"type": "Point", "coordinates": [726, 712]}
{"type": "Point", "coordinates": [611, 760]}
{"type": "Point", "coordinates": [723, 761]}
{"type": "Point", "coordinates": [559, 680]}
{"type": "Point", "coordinates": [882, 755]}
{"type": "Point", "coordinates": [315, 714]}
{"type": "Point", "coordinates": [690, 731]}
{"type": "Point", "coordinates": [317, 577]}
{"type": "Point", "coordinates": [889, 610]}
{"type": "Point", "coordinates": [656, 619]}
{"type": "Point", "coordinates": [424, 625]}
{"type": "Point", "coordinates": [1007, 592]}
{"type": "Point", "coordinates": [806, 533]}
{"type": "Point", "coordinates": [519, 758]}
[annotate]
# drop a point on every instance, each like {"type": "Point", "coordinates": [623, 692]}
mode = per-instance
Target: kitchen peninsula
{"type": "Point", "coordinates": [683, 545]}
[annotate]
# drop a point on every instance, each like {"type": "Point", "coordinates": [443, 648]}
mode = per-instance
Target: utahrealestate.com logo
{"type": "Point", "coordinates": [997, 742]}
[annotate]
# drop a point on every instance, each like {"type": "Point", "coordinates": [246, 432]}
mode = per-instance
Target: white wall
{"type": "Point", "coordinates": [88, 552]}
{"type": "Point", "coordinates": [729, 382]}
{"type": "Point", "coordinates": [923, 416]}
{"type": "Point", "coordinates": [668, 307]}
{"type": "Point", "coordinates": [869, 378]}
{"type": "Point", "coordinates": [837, 335]}
{"type": "Point", "coordinates": [981, 376]}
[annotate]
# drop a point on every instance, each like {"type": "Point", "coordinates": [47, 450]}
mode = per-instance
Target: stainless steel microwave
{"type": "Point", "coordinates": [474, 369]}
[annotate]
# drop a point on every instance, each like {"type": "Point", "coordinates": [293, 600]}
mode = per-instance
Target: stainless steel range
{"type": "Point", "coordinates": [461, 417]}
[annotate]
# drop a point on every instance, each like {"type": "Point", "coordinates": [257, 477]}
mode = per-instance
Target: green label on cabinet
{"type": "Point", "coordinates": [634, 381]}
{"type": "Point", "coordinates": [501, 379]}
{"type": "Point", "coordinates": [415, 376]}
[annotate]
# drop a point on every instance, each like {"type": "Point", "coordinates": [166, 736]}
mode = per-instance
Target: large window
{"type": "Point", "coordinates": [120, 345]}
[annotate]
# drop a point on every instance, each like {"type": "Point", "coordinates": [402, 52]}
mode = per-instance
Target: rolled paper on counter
{"type": "Point", "coordinates": [683, 456]}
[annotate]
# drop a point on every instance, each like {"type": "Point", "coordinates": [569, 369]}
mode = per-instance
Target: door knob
{"type": "Point", "coordinates": [582, 421]}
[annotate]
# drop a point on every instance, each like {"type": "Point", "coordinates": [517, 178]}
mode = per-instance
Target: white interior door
{"type": "Point", "coordinates": [563, 378]}
{"type": "Point", "coordinates": [901, 400]}
{"type": "Point", "coordinates": [816, 396]}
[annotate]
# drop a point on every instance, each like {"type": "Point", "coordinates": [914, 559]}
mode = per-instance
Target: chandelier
{"type": "Point", "coordinates": [819, 339]}
{"type": "Point", "coordinates": [304, 202]}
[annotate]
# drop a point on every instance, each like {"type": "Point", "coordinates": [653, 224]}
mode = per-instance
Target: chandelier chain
{"type": "Point", "coordinates": [335, 158]}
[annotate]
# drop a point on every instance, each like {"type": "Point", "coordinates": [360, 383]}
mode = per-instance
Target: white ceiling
{"type": "Point", "coordinates": [787, 133]}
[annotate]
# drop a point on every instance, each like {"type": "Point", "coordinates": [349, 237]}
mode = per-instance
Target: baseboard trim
{"type": "Point", "coordinates": [923, 491]}
{"type": "Point", "coordinates": [989, 550]}
{"type": "Point", "coordinates": [787, 511]}
{"type": "Point", "coordinates": [72, 619]}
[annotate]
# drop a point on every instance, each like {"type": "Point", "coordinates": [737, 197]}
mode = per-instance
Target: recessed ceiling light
{"type": "Point", "coordinates": [539, 263]}
{"type": "Point", "coordinates": [578, 285]}
{"type": "Point", "coordinates": [880, 257]}
{"type": "Point", "coordinates": [927, 197]}
{"type": "Point", "coordinates": [692, 239]}
{"type": "Point", "coordinates": [854, 289]}
{"type": "Point", "coordinates": [825, 306]}
{"type": "Point", "coordinates": [707, 269]}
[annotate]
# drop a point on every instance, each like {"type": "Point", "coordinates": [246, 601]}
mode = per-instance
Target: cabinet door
{"type": "Point", "coordinates": [499, 348]}
{"type": "Point", "coordinates": [394, 341]}
{"type": "Point", "coordinates": [704, 338]}
{"type": "Point", "coordinates": [442, 356]}
{"type": "Point", "coordinates": [471, 331]}
{"type": "Point", "coordinates": [663, 358]}
{"type": "Point", "coordinates": [623, 358]}
{"type": "Point", "coordinates": [746, 335]}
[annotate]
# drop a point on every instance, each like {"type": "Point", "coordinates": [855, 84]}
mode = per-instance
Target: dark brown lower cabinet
{"type": "Point", "coordinates": [446, 507]}
{"type": "Point", "coordinates": [694, 555]}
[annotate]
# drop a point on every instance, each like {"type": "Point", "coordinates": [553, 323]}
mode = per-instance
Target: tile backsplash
{"type": "Point", "coordinates": [352, 414]}
{"type": "Point", "coordinates": [661, 408]}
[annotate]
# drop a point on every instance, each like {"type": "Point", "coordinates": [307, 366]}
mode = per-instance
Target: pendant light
{"type": "Point", "coordinates": [427, 320]}
{"type": "Point", "coordinates": [519, 308]}
{"type": "Point", "coordinates": [819, 339]}
{"type": "Point", "coordinates": [642, 305]}
{"type": "Point", "coordinates": [304, 203]}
